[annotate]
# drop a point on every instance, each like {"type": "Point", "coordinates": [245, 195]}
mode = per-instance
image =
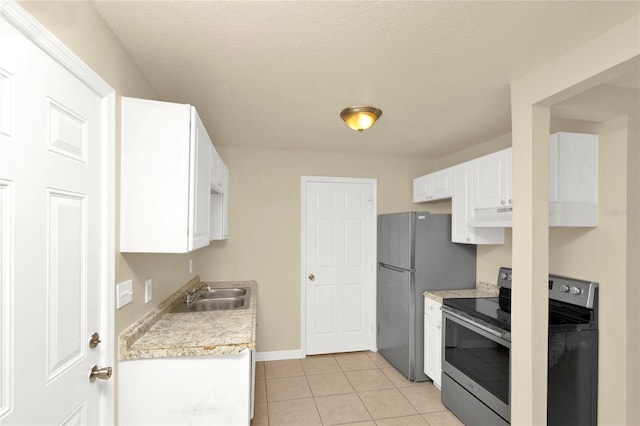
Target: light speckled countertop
{"type": "Point", "coordinates": [161, 334]}
{"type": "Point", "coordinates": [482, 290]}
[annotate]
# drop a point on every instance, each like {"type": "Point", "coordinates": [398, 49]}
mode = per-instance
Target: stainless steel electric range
{"type": "Point", "coordinates": [476, 362]}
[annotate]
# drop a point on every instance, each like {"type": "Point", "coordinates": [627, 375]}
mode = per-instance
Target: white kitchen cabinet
{"type": "Point", "coordinates": [462, 210]}
{"type": "Point", "coordinates": [200, 390]}
{"type": "Point", "coordinates": [492, 180]}
{"type": "Point", "coordinates": [219, 228]}
{"type": "Point", "coordinates": [433, 340]}
{"type": "Point", "coordinates": [573, 179]}
{"type": "Point", "coordinates": [434, 186]}
{"type": "Point", "coordinates": [165, 178]}
{"type": "Point", "coordinates": [573, 184]}
{"type": "Point", "coordinates": [217, 171]}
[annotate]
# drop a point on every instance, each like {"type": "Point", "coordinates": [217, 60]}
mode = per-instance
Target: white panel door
{"type": "Point", "coordinates": [339, 270]}
{"type": "Point", "coordinates": [53, 240]}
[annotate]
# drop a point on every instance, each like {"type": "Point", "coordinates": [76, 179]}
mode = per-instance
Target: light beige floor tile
{"type": "Point", "coordinates": [320, 364]}
{"type": "Point", "coordinates": [294, 412]}
{"type": "Point", "coordinates": [284, 388]}
{"type": "Point", "coordinates": [260, 370]}
{"type": "Point", "coordinates": [366, 380]}
{"type": "Point", "coordinates": [340, 409]}
{"type": "Point", "coordinates": [416, 420]}
{"type": "Point", "coordinates": [379, 360]}
{"type": "Point", "coordinates": [355, 361]}
{"type": "Point", "coordinates": [261, 390]}
{"type": "Point", "coordinates": [367, 423]}
{"type": "Point", "coordinates": [396, 377]}
{"type": "Point", "coordinates": [386, 403]}
{"type": "Point", "coordinates": [260, 414]}
{"type": "Point", "coordinates": [284, 368]}
{"type": "Point", "coordinates": [442, 418]}
{"type": "Point", "coordinates": [424, 397]}
{"type": "Point", "coordinates": [329, 384]}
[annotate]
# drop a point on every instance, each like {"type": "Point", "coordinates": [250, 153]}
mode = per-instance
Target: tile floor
{"type": "Point", "coordinates": [359, 388]}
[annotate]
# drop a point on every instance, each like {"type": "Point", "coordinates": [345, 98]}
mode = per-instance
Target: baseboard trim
{"type": "Point", "coordinates": [279, 355]}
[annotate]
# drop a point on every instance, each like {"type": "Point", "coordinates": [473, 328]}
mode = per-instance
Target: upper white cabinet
{"type": "Point", "coordinates": [165, 178]}
{"type": "Point", "coordinates": [219, 184]}
{"type": "Point", "coordinates": [462, 210]}
{"type": "Point", "coordinates": [434, 186]}
{"type": "Point", "coordinates": [573, 179]}
{"type": "Point", "coordinates": [573, 184]}
{"type": "Point", "coordinates": [492, 180]}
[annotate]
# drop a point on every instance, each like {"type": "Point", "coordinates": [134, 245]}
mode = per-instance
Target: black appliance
{"type": "Point", "coordinates": [476, 354]}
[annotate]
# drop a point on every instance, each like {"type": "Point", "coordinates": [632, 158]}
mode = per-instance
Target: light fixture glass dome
{"type": "Point", "coordinates": [360, 117]}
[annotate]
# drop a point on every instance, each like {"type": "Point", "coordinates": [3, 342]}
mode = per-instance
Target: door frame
{"type": "Point", "coordinates": [45, 40]}
{"type": "Point", "coordinates": [303, 241]}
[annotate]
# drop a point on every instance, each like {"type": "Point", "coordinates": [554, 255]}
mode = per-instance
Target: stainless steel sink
{"type": "Point", "coordinates": [222, 292]}
{"type": "Point", "coordinates": [215, 299]}
{"type": "Point", "coordinates": [216, 304]}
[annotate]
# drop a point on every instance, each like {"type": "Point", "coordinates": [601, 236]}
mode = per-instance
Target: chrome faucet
{"type": "Point", "coordinates": [191, 294]}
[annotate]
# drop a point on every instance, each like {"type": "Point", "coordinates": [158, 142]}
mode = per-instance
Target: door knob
{"type": "Point", "coordinates": [312, 277]}
{"type": "Point", "coordinates": [103, 373]}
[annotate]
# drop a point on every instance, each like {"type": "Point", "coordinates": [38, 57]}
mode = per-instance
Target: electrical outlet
{"type": "Point", "coordinates": [124, 293]}
{"type": "Point", "coordinates": [148, 290]}
{"type": "Point", "coordinates": [191, 266]}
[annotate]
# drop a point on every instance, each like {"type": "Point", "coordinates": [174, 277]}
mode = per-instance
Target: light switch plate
{"type": "Point", "coordinates": [124, 293]}
{"type": "Point", "coordinates": [148, 290]}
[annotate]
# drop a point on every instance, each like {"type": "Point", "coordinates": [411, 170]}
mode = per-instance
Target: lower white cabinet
{"type": "Point", "coordinates": [201, 390]}
{"type": "Point", "coordinates": [433, 340]}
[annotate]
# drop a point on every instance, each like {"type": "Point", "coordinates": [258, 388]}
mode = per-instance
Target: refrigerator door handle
{"type": "Point", "coordinates": [395, 268]}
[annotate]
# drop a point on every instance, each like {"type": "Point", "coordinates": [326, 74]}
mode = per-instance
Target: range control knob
{"type": "Point", "coordinates": [576, 290]}
{"type": "Point", "coordinates": [564, 288]}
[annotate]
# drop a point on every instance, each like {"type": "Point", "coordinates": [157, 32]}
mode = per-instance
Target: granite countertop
{"type": "Point", "coordinates": [482, 290]}
{"type": "Point", "coordinates": [162, 334]}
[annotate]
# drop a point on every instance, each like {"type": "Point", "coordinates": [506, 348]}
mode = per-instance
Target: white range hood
{"type": "Point", "coordinates": [492, 218]}
{"type": "Point", "coordinates": [573, 214]}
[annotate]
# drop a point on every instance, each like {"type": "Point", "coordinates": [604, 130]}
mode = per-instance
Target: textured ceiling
{"type": "Point", "coordinates": [274, 74]}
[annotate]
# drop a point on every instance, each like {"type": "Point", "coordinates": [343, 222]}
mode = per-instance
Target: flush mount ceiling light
{"type": "Point", "coordinates": [360, 117]}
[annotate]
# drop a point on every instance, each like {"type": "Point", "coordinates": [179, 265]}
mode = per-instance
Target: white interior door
{"type": "Point", "coordinates": [56, 232]}
{"type": "Point", "coordinates": [338, 255]}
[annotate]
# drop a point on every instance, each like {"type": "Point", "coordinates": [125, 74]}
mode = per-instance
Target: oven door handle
{"type": "Point", "coordinates": [469, 321]}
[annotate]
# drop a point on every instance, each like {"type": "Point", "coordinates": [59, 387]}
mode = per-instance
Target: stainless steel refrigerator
{"type": "Point", "coordinates": [415, 254]}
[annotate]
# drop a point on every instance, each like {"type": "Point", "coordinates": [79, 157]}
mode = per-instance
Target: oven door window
{"type": "Point", "coordinates": [480, 358]}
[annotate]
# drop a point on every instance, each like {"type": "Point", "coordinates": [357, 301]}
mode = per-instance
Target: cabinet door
{"type": "Point", "coordinates": [433, 341]}
{"type": "Point", "coordinates": [462, 210]}
{"type": "Point", "coordinates": [199, 202]}
{"type": "Point", "coordinates": [432, 353]}
{"type": "Point", "coordinates": [155, 176]}
{"type": "Point", "coordinates": [420, 189]}
{"type": "Point", "coordinates": [492, 180]}
{"type": "Point", "coordinates": [434, 186]}
{"type": "Point", "coordinates": [461, 204]}
{"type": "Point", "coordinates": [217, 171]}
{"type": "Point", "coordinates": [440, 184]}
{"type": "Point", "coordinates": [220, 208]}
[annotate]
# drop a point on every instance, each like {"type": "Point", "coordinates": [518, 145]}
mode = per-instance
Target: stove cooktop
{"type": "Point", "coordinates": [485, 308]}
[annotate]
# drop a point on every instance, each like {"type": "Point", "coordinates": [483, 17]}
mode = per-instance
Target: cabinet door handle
{"type": "Point", "coordinates": [502, 202]}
